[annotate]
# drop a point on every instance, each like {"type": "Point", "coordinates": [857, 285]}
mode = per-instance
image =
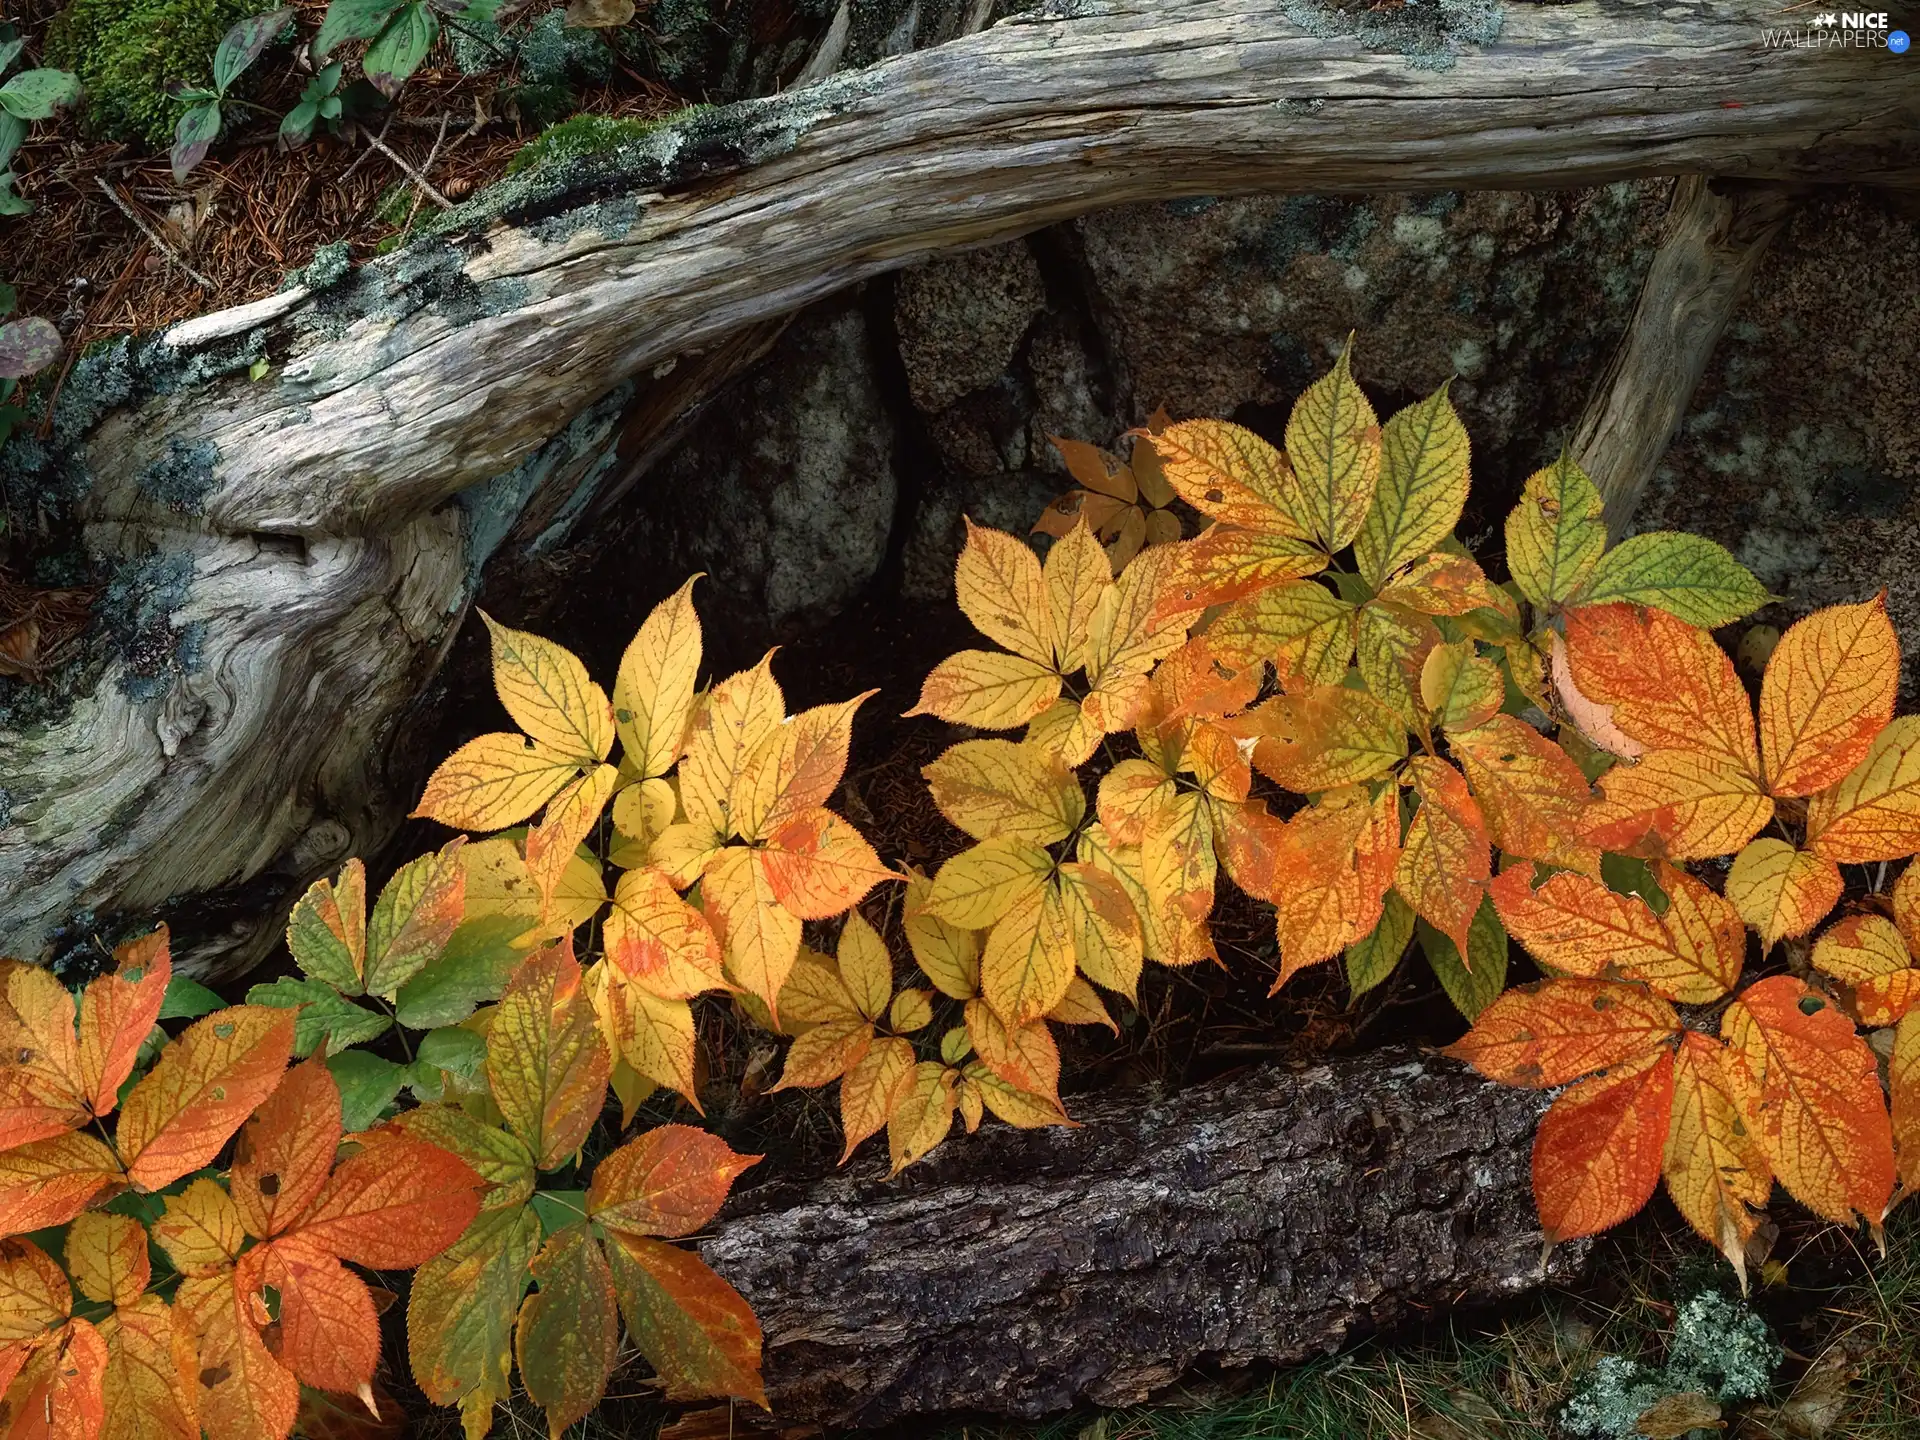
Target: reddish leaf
{"type": "Point", "coordinates": [669, 1182]}
{"type": "Point", "coordinates": [693, 1327]}
{"type": "Point", "coordinates": [1444, 867]}
{"type": "Point", "coordinates": [1553, 1031]}
{"type": "Point", "coordinates": [329, 1330]}
{"type": "Point", "coordinates": [205, 1085]}
{"type": "Point", "coordinates": [569, 1331]}
{"type": "Point", "coordinates": [546, 1062]}
{"type": "Point", "coordinates": [393, 1204]}
{"type": "Point", "coordinates": [285, 1151]}
{"type": "Point", "coordinates": [117, 1011]}
{"type": "Point", "coordinates": [1597, 1155]}
{"type": "Point", "coordinates": [51, 1181]}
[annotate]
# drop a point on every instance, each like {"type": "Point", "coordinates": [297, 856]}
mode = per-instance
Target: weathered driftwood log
{"type": "Point", "coordinates": [298, 525]}
{"type": "Point", "coordinates": [1716, 233]}
{"type": "Point", "coordinates": [1270, 1218]}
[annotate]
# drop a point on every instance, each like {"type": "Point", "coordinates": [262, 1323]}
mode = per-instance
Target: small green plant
{"type": "Point", "coordinates": [319, 101]}
{"type": "Point", "coordinates": [401, 32]}
{"type": "Point", "coordinates": [199, 127]}
{"type": "Point", "coordinates": [31, 95]}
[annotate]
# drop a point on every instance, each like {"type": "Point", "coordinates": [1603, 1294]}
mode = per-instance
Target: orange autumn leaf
{"type": "Point", "coordinates": [1716, 1171]}
{"type": "Point", "coordinates": [1445, 864]}
{"type": "Point", "coordinates": [1533, 796]}
{"type": "Point", "coordinates": [1321, 737]}
{"type": "Point", "coordinates": [58, 1394]}
{"type": "Point", "coordinates": [393, 1204]}
{"type": "Point", "coordinates": [116, 1012]}
{"type": "Point", "coordinates": [1598, 1152]}
{"type": "Point", "coordinates": [147, 1388]}
{"type": "Point", "coordinates": [34, 1297]}
{"type": "Point", "coordinates": [1576, 924]}
{"type": "Point", "coordinates": [695, 1329]}
{"type": "Point", "coordinates": [1677, 803]}
{"type": "Point", "coordinates": [285, 1151]}
{"type": "Point", "coordinates": [658, 941]}
{"type": "Point", "coordinates": [50, 1181]}
{"type": "Point", "coordinates": [1542, 1035]}
{"type": "Point", "coordinates": [1866, 953]}
{"type": "Point", "coordinates": [1903, 1081]}
{"type": "Point", "coordinates": [1024, 1056]}
{"type": "Point", "coordinates": [1670, 686]}
{"type": "Point", "coordinates": [818, 865]}
{"type": "Point", "coordinates": [1780, 891]}
{"type": "Point", "coordinates": [58, 1079]}
{"type": "Point", "coordinates": [1828, 691]}
{"type": "Point", "coordinates": [204, 1086]}
{"type": "Point", "coordinates": [1809, 1088]}
{"type": "Point", "coordinates": [668, 1182]}
{"type": "Point", "coordinates": [759, 937]}
{"type": "Point", "coordinates": [1330, 872]}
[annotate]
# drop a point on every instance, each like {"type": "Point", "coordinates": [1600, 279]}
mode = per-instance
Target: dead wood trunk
{"type": "Point", "coordinates": [1267, 1219]}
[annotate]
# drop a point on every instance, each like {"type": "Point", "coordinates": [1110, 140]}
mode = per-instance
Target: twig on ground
{"type": "Point", "coordinates": [411, 173]}
{"type": "Point", "coordinates": [152, 235]}
{"type": "Point", "coordinates": [347, 173]}
{"type": "Point", "coordinates": [427, 169]}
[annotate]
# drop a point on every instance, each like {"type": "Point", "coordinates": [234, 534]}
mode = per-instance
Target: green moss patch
{"type": "Point", "coordinates": [127, 52]}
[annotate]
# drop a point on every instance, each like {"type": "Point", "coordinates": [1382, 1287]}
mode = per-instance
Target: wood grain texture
{"type": "Point", "coordinates": [1271, 1218]}
{"type": "Point", "coordinates": [1717, 232]}
{"type": "Point", "coordinates": [467, 362]}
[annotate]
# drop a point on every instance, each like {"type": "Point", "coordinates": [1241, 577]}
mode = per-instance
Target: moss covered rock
{"type": "Point", "coordinates": [128, 52]}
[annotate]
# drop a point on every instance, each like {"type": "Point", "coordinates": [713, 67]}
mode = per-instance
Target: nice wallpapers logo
{"type": "Point", "coordinates": [1840, 30]}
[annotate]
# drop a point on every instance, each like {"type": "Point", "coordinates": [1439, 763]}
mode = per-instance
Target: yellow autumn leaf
{"type": "Point", "coordinates": [1689, 804]}
{"type": "Point", "coordinates": [1866, 953]}
{"type": "Point", "coordinates": [1234, 477]}
{"type": "Point", "coordinates": [948, 955]}
{"type": "Point", "coordinates": [911, 1010]}
{"type": "Point", "coordinates": [1108, 942]}
{"type": "Point", "coordinates": [1461, 688]}
{"type": "Point", "coordinates": [1077, 576]}
{"type": "Point", "coordinates": [547, 692]}
{"type": "Point", "coordinates": [1780, 891]}
{"type": "Point", "coordinates": [1903, 1080]}
{"type": "Point", "coordinates": [1391, 645]}
{"type": "Point", "coordinates": [759, 938]}
{"type": "Point", "coordinates": [1177, 869]}
{"type": "Point", "coordinates": [922, 1114]}
{"type": "Point", "coordinates": [107, 1256]}
{"type": "Point", "coordinates": [494, 781]}
{"type": "Point", "coordinates": [988, 689]}
{"type": "Point", "coordinates": [1555, 535]}
{"type": "Point", "coordinates": [999, 585]}
{"type": "Point", "coordinates": [866, 969]}
{"type": "Point", "coordinates": [1131, 633]}
{"type": "Point", "coordinates": [978, 886]}
{"type": "Point", "coordinates": [1333, 441]}
{"type": "Point", "coordinates": [740, 712]}
{"type": "Point", "coordinates": [869, 1091]}
{"type": "Point", "coordinates": [658, 941]}
{"type": "Point", "coordinates": [653, 690]}
{"type": "Point", "coordinates": [654, 1035]}
{"type": "Point", "coordinates": [1873, 812]}
{"type": "Point", "coordinates": [1029, 957]}
{"type": "Point", "coordinates": [794, 770]}
{"type": "Point", "coordinates": [1424, 462]}
{"type": "Point", "coordinates": [1828, 691]}
{"type": "Point", "coordinates": [1305, 629]}
{"type": "Point", "coordinates": [1715, 1168]}
{"type": "Point", "coordinates": [570, 818]}
{"type": "Point", "coordinates": [996, 788]}
{"type": "Point", "coordinates": [1064, 732]}
{"type": "Point", "coordinates": [643, 812]}
{"type": "Point", "coordinates": [1082, 1005]}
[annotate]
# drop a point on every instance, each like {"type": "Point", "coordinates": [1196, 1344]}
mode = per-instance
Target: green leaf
{"type": "Point", "coordinates": [351, 20]}
{"type": "Point", "coordinates": [558, 1209]}
{"type": "Point", "coordinates": [1372, 960]}
{"type": "Point", "coordinates": [1470, 990]}
{"type": "Point", "coordinates": [188, 999]}
{"type": "Point", "coordinates": [569, 1330]}
{"type": "Point", "coordinates": [1687, 576]}
{"type": "Point", "coordinates": [13, 130]}
{"type": "Point", "coordinates": [1424, 459]}
{"type": "Point", "coordinates": [455, 1049]}
{"type": "Point", "coordinates": [416, 914]}
{"type": "Point", "coordinates": [194, 136]}
{"type": "Point", "coordinates": [36, 94]}
{"type": "Point", "coordinates": [1629, 875]}
{"type": "Point", "coordinates": [367, 1084]}
{"type": "Point", "coordinates": [400, 48]}
{"type": "Point", "coordinates": [472, 971]}
{"type": "Point", "coordinates": [242, 45]}
{"type": "Point", "coordinates": [10, 51]}
{"type": "Point", "coordinates": [1555, 534]}
{"type": "Point", "coordinates": [461, 1310]}
{"type": "Point", "coordinates": [325, 1014]}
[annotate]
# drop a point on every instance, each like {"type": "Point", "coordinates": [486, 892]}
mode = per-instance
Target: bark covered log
{"type": "Point", "coordinates": [1267, 1219]}
{"type": "Point", "coordinates": [318, 570]}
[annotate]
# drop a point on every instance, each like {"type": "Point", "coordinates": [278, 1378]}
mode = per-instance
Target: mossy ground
{"type": "Point", "coordinates": [128, 52]}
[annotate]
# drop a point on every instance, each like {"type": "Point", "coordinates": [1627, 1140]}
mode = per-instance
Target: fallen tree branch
{"type": "Point", "coordinates": [1268, 1219]}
